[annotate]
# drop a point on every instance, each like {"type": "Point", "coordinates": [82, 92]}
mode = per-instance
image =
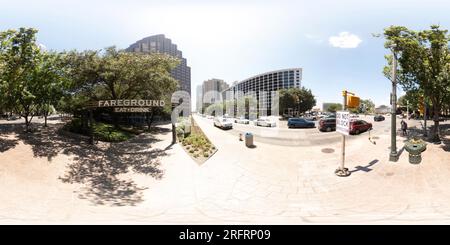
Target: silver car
{"type": "Point", "coordinates": [241, 120]}
{"type": "Point", "coordinates": [223, 123]}
{"type": "Point", "coordinates": [265, 122]}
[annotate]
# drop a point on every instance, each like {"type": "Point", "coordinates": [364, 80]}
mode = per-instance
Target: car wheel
{"type": "Point", "coordinates": [357, 132]}
{"type": "Point", "coordinates": [328, 129]}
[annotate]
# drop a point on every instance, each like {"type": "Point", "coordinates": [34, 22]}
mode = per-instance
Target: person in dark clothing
{"type": "Point", "coordinates": [404, 126]}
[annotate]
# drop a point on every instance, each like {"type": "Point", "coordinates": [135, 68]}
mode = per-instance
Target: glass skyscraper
{"type": "Point", "coordinates": [161, 44]}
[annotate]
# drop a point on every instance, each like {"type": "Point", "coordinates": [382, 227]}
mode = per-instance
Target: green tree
{"type": "Point", "coordinates": [334, 107]}
{"type": "Point", "coordinates": [301, 100]}
{"type": "Point", "coordinates": [50, 76]}
{"type": "Point", "coordinates": [366, 106]}
{"type": "Point", "coordinates": [424, 64]}
{"type": "Point", "coordinates": [20, 57]}
{"type": "Point", "coordinates": [116, 74]}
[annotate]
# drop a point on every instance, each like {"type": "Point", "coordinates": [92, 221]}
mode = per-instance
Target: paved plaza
{"type": "Point", "coordinates": [47, 178]}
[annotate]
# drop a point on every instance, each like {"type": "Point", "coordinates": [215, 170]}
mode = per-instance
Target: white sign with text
{"type": "Point", "coordinates": [343, 122]}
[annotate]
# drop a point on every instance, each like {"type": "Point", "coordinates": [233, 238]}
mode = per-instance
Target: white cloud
{"type": "Point", "coordinates": [345, 40]}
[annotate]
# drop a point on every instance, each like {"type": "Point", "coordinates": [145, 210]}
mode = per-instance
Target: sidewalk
{"type": "Point", "coordinates": [268, 184]}
{"type": "Point", "coordinates": [277, 184]}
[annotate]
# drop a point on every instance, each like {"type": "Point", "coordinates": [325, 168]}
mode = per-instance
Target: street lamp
{"type": "Point", "coordinates": [393, 156]}
{"type": "Point", "coordinates": [407, 109]}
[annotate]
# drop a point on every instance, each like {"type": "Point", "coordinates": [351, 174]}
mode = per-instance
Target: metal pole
{"type": "Point", "coordinates": [407, 110]}
{"type": "Point", "coordinates": [425, 118]}
{"type": "Point", "coordinates": [393, 156]}
{"type": "Point", "coordinates": [344, 105]}
{"type": "Point", "coordinates": [342, 171]}
{"type": "Point", "coordinates": [174, 135]}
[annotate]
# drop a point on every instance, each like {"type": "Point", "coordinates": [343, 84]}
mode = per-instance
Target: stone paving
{"type": "Point", "coordinates": [269, 184]}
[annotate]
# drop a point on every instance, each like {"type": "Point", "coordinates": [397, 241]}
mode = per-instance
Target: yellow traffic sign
{"type": "Point", "coordinates": [352, 101]}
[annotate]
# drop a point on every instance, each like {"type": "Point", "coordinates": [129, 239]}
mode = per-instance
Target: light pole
{"type": "Point", "coordinates": [174, 133]}
{"type": "Point", "coordinates": [425, 118]}
{"type": "Point", "coordinates": [407, 109]}
{"type": "Point", "coordinates": [393, 156]}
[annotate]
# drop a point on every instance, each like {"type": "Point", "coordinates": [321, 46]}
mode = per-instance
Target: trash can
{"type": "Point", "coordinates": [248, 139]}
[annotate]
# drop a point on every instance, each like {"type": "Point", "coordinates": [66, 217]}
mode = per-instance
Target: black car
{"type": "Point", "coordinates": [327, 124]}
{"type": "Point", "coordinates": [300, 123]}
{"type": "Point", "coordinates": [378, 118]}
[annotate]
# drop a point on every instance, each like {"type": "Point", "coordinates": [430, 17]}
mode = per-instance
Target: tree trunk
{"type": "Point", "coordinates": [435, 132]}
{"type": "Point", "coordinates": [27, 124]}
{"type": "Point", "coordinates": [149, 120]}
{"type": "Point", "coordinates": [45, 119]}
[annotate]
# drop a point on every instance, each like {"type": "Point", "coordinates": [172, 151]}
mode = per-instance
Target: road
{"type": "Point", "coordinates": [281, 135]}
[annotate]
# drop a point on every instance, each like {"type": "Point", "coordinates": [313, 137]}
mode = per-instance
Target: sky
{"type": "Point", "coordinates": [233, 40]}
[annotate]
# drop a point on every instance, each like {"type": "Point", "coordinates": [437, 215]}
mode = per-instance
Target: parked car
{"type": "Point", "coordinates": [300, 123]}
{"type": "Point", "coordinates": [241, 120]}
{"type": "Point", "coordinates": [265, 122]}
{"type": "Point", "coordinates": [378, 118]}
{"type": "Point", "coordinates": [223, 123]}
{"type": "Point", "coordinates": [311, 118]}
{"type": "Point", "coordinates": [327, 124]}
{"type": "Point", "coordinates": [359, 126]}
{"type": "Point", "coordinates": [13, 118]}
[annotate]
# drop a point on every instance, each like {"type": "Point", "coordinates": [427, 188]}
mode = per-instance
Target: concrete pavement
{"type": "Point", "coordinates": [269, 184]}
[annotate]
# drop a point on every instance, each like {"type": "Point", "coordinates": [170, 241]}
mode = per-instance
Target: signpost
{"type": "Point", "coordinates": [343, 127]}
{"type": "Point", "coordinates": [343, 122]}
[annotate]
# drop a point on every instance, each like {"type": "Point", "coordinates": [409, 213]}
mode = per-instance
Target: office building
{"type": "Point", "coordinates": [261, 87]}
{"type": "Point", "coordinates": [161, 44]}
{"type": "Point", "coordinates": [211, 90]}
{"type": "Point", "coordinates": [199, 98]}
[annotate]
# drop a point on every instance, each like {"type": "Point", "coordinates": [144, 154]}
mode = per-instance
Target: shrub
{"type": "Point", "coordinates": [191, 151]}
{"type": "Point", "coordinates": [102, 131]}
{"type": "Point", "coordinates": [205, 154]}
{"type": "Point", "coordinates": [196, 155]}
{"type": "Point", "coordinates": [109, 133]}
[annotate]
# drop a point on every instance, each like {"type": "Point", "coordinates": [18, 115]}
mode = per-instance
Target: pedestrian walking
{"type": "Point", "coordinates": [404, 126]}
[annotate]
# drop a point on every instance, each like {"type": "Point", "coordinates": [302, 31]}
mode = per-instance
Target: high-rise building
{"type": "Point", "coordinates": [261, 86]}
{"type": "Point", "coordinates": [199, 98]}
{"type": "Point", "coordinates": [212, 89]}
{"type": "Point", "coordinates": [209, 92]}
{"type": "Point", "coordinates": [161, 44]}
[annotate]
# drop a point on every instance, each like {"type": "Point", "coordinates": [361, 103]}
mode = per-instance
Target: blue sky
{"type": "Point", "coordinates": [233, 40]}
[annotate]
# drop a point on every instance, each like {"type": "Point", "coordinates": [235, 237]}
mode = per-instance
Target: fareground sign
{"type": "Point", "coordinates": [136, 103]}
{"type": "Point", "coordinates": [130, 105]}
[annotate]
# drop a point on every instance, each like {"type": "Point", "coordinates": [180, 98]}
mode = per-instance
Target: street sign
{"type": "Point", "coordinates": [343, 122]}
{"type": "Point", "coordinates": [352, 101]}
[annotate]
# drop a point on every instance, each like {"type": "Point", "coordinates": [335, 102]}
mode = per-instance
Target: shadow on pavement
{"type": "Point", "coordinates": [97, 167]}
{"type": "Point", "coordinates": [444, 134]}
{"type": "Point", "coordinates": [5, 143]}
{"type": "Point", "coordinates": [365, 168]}
{"type": "Point", "coordinates": [445, 137]}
